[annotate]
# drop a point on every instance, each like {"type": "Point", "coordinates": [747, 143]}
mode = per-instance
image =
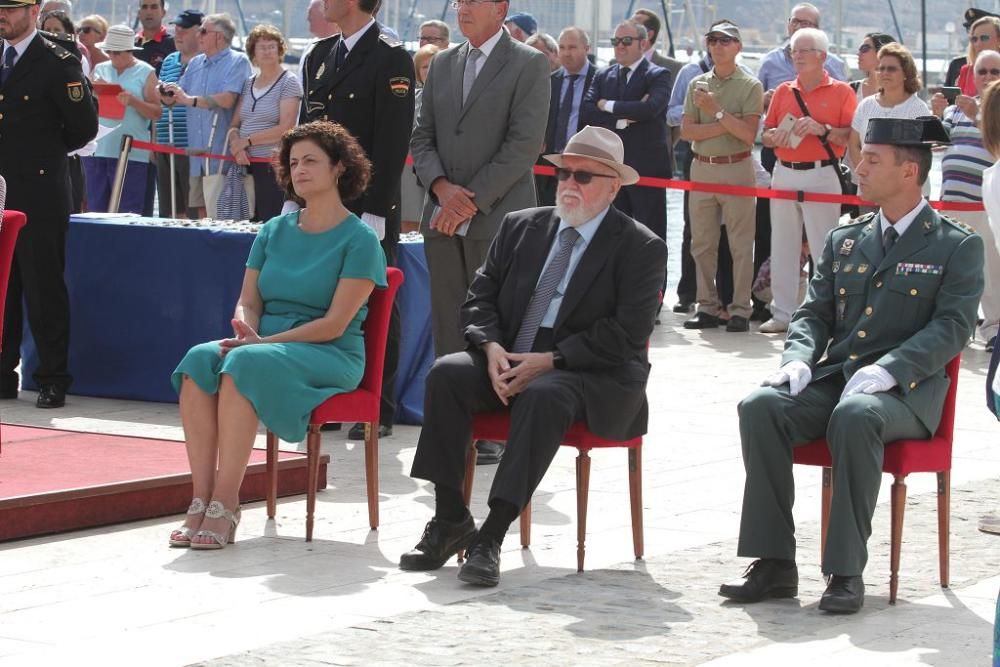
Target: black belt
{"type": "Point", "coordinates": [802, 166]}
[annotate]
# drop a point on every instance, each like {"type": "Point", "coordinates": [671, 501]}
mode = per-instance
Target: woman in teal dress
{"type": "Point", "coordinates": [296, 330]}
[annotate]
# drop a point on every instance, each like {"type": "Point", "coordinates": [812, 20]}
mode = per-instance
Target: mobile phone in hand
{"type": "Point", "coordinates": [950, 93]}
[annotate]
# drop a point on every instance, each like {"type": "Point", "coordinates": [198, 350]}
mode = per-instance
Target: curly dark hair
{"type": "Point", "coordinates": [60, 16]}
{"type": "Point", "coordinates": [339, 145]}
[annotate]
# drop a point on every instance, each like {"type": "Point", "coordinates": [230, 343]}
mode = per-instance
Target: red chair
{"type": "Point", "coordinates": [902, 457]}
{"type": "Point", "coordinates": [361, 405]}
{"type": "Point", "coordinates": [496, 426]}
{"type": "Point", "coordinates": [13, 221]}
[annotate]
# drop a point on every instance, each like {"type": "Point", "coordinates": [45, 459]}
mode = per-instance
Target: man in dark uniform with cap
{"type": "Point", "coordinates": [363, 80]}
{"type": "Point", "coordinates": [46, 110]}
{"type": "Point", "coordinates": [893, 299]}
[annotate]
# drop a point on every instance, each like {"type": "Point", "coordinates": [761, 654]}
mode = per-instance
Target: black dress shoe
{"type": "Point", "coordinates": [330, 426]}
{"type": "Point", "coordinates": [702, 321]}
{"type": "Point", "coordinates": [482, 563]}
{"type": "Point", "coordinates": [843, 595]}
{"type": "Point", "coordinates": [441, 540]}
{"type": "Point", "coordinates": [357, 431]}
{"type": "Point", "coordinates": [488, 452]}
{"type": "Point", "coordinates": [760, 314]}
{"type": "Point", "coordinates": [683, 307]}
{"type": "Point", "coordinates": [738, 324]}
{"type": "Point", "coordinates": [51, 396]}
{"type": "Point", "coordinates": [765, 578]}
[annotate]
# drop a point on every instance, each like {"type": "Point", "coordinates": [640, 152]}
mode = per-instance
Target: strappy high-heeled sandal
{"type": "Point", "coordinates": [216, 510]}
{"type": "Point", "coordinates": [182, 536]}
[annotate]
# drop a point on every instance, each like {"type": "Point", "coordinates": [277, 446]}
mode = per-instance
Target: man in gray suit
{"type": "Point", "coordinates": [481, 124]}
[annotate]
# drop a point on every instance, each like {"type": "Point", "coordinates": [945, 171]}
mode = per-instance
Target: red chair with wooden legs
{"type": "Point", "coordinates": [361, 405]}
{"type": "Point", "coordinates": [13, 221]}
{"type": "Point", "coordinates": [902, 457]}
{"type": "Point", "coordinates": [496, 426]}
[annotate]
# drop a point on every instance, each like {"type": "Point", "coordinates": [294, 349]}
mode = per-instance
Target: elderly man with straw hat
{"type": "Point", "coordinates": [556, 325]}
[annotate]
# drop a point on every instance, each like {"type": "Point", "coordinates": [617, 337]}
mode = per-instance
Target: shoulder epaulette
{"type": "Point", "coordinates": [957, 224]}
{"type": "Point", "coordinates": [389, 40]}
{"type": "Point", "coordinates": [54, 44]}
{"type": "Point", "coordinates": [860, 220]}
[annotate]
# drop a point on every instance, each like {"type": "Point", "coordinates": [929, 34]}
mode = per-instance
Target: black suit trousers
{"type": "Point", "coordinates": [459, 387]}
{"type": "Point", "coordinates": [387, 409]}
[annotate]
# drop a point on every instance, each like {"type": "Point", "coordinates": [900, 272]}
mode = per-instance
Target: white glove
{"type": "Point", "coordinates": [796, 373]}
{"type": "Point", "coordinates": [868, 380]}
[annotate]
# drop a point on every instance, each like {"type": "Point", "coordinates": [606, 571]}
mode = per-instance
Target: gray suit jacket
{"type": "Point", "coordinates": [490, 145]}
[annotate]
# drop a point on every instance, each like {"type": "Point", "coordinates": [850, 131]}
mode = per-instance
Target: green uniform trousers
{"type": "Point", "coordinates": [772, 422]}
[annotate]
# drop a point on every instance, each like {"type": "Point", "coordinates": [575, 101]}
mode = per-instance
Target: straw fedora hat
{"type": "Point", "coordinates": [601, 145]}
{"type": "Point", "coordinates": [119, 38]}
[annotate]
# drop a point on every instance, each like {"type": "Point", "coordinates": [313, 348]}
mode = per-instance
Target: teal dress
{"type": "Point", "coordinates": [299, 273]}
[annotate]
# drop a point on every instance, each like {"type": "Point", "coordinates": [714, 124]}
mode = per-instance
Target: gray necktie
{"type": "Point", "coordinates": [470, 73]}
{"type": "Point", "coordinates": [889, 239]}
{"type": "Point", "coordinates": [545, 290]}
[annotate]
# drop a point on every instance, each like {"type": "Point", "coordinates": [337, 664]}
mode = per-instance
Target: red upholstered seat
{"type": "Point", "coordinates": [902, 457]}
{"type": "Point", "coordinates": [361, 405]}
{"type": "Point", "coordinates": [496, 426]}
{"type": "Point", "coordinates": [13, 221]}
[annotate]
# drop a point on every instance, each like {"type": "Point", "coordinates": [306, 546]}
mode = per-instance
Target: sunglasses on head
{"type": "Point", "coordinates": [724, 40]}
{"type": "Point", "coordinates": [581, 177]}
{"type": "Point", "coordinates": [992, 71]}
{"type": "Point", "coordinates": [624, 41]}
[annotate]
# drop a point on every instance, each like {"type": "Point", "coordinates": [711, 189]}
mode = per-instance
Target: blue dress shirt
{"type": "Point", "coordinates": [586, 231]}
{"type": "Point", "coordinates": [776, 67]}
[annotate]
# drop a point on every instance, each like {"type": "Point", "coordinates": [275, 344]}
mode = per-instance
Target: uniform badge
{"type": "Point", "coordinates": [848, 268]}
{"type": "Point", "coordinates": [75, 91]}
{"type": "Point", "coordinates": [400, 86]}
{"type": "Point", "coordinates": [847, 247]}
{"type": "Point", "coordinates": [836, 267]}
{"type": "Point", "coordinates": [322, 68]}
{"type": "Point", "coordinates": [862, 268]}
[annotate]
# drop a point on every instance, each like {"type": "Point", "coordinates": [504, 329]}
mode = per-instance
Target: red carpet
{"type": "Point", "coordinates": [53, 481]}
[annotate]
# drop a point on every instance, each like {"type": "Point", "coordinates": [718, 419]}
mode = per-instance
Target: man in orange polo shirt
{"type": "Point", "coordinates": [804, 144]}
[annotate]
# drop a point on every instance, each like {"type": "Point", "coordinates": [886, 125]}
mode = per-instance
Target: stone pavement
{"type": "Point", "coordinates": [119, 595]}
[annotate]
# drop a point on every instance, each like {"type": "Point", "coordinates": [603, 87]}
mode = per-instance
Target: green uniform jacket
{"type": "Point", "coordinates": [910, 312]}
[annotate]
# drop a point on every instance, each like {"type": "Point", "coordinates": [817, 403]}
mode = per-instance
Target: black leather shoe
{"type": "Point", "coordinates": [488, 452]}
{"type": "Point", "coordinates": [51, 396]}
{"type": "Point", "coordinates": [357, 432]}
{"type": "Point", "coordinates": [765, 578]}
{"type": "Point", "coordinates": [441, 540]}
{"type": "Point", "coordinates": [738, 324]}
{"type": "Point", "coordinates": [482, 564]}
{"type": "Point", "coordinates": [843, 595]}
{"type": "Point", "coordinates": [760, 313]}
{"type": "Point", "coordinates": [702, 321]}
{"type": "Point", "coordinates": [683, 307]}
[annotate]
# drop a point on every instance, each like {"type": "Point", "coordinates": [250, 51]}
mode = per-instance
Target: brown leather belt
{"type": "Point", "coordinates": [723, 159]}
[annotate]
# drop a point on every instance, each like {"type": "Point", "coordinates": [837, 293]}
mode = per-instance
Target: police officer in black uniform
{"type": "Point", "coordinates": [363, 80]}
{"type": "Point", "coordinates": [46, 110]}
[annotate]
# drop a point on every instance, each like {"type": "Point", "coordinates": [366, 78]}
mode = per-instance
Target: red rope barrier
{"type": "Point", "coordinates": [646, 181]}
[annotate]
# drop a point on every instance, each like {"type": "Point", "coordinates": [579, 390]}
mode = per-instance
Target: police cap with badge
{"type": "Point", "coordinates": [973, 14]}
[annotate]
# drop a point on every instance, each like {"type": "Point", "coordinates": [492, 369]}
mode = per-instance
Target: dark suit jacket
{"type": "Point", "coordinates": [603, 326]}
{"type": "Point", "coordinates": [556, 102]}
{"type": "Point", "coordinates": [371, 96]}
{"type": "Point", "coordinates": [647, 140]}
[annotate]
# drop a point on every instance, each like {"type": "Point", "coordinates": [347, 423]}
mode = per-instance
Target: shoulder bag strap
{"type": "Point", "coordinates": [805, 111]}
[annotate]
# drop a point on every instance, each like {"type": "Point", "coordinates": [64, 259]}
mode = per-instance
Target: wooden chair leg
{"type": "Point", "coordinates": [526, 526]}
{"type": "Point", "coordinates": [312, 454]}
{"type": "Point", "coordinates": [582, 494]}
{"type": "Point", "coordinates": [272, 475]}
{"type": "Point", "coordinates": [944, 524]}
{"type": "Point", "coordinates": [635, 498]}
{"type": "Point", "coordinates": [470, 476]}
{"type": "Point", "coordinates": [371, 472]}
{"type": "Point", "coordinates": [825, 502]}
{"type": "Point", "coordinates": [898, 506]}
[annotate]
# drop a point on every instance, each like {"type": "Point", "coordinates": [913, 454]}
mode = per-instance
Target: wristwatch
{"type": "Point", "coordinates": [719, 114]}
{"type": "Point", "coordinates": [829, 128]}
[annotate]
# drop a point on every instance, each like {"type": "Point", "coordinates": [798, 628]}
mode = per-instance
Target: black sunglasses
{"type": "Point", "coordinates": [993, 71]}
{"type": "Point", "coordinates": [86, 30]}
{"type": "Point", "coordinates": [865, 48]}
{"type": "Point", "coordinates": [624, 41]}
{"type": "Point", "coordinates": [581, 177]}
{"type": "Point", "coordinates": [725, 41]}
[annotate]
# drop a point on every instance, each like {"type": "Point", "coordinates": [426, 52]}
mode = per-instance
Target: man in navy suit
{"type": "Point", "coordinates": [569, 86]}
{"type": "Point", "coordinates": [630, 98]}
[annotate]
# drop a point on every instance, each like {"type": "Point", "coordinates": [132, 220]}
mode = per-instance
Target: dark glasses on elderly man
{"type": "Point", "coordinates": [581, 177]}
{"type": "Point", "coordinates": [724, 40]}
{"type": "Point", "coordinates": [992, 71]}
{"type": "Point", "coordinates": [624, 41]}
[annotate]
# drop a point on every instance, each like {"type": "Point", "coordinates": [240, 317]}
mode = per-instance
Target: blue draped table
{"type": "Point", "coordinates": [142, 294]}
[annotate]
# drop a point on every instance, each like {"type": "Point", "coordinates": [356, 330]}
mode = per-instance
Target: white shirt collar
{"type": "Point", "coordinates": [648, 55]}
{"type": "Point", "coordinates": [632, 67]}
{"type": "Point", "coordinates": [489, 45]}
{"type": "Point", "coordinates": [903, 223]}
{"type": "Point", "coordinates": [351, 42]}
{"type": "Point", "coordinates": [21, 46]}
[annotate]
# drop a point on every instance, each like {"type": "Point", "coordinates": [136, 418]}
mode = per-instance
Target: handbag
{"type": "Point", "coordinates": [226, 190]}
{"type": "Point", "coordinates": [847, 186]}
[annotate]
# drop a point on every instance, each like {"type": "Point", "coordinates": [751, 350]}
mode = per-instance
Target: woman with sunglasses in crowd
{"type": "Point", "coordinates": [984, 35]}
{"type": "Point", "coordinates": [93, 29]}
{"type": "Point", "coordinates": [868, 63]}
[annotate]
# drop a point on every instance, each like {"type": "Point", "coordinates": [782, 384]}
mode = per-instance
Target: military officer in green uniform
{"type": "Point", "coordinates": [46, 110]}
{"type": "Point", "coordinates": [893, 299]}
{"type": "Point", "coordinates": [363, 80]}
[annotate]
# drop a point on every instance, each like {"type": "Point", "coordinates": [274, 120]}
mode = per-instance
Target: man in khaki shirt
{"type": "Point", "coordinates": [721, 113]}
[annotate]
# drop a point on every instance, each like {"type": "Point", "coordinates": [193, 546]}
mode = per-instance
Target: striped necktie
{"type": "Point", "coordinates": [545, 290]}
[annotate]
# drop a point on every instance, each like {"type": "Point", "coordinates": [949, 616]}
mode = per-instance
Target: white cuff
{"type": "Point", "coordinates": [609, 106]}
{"type": "Point", "coordinates": [376, 222]}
